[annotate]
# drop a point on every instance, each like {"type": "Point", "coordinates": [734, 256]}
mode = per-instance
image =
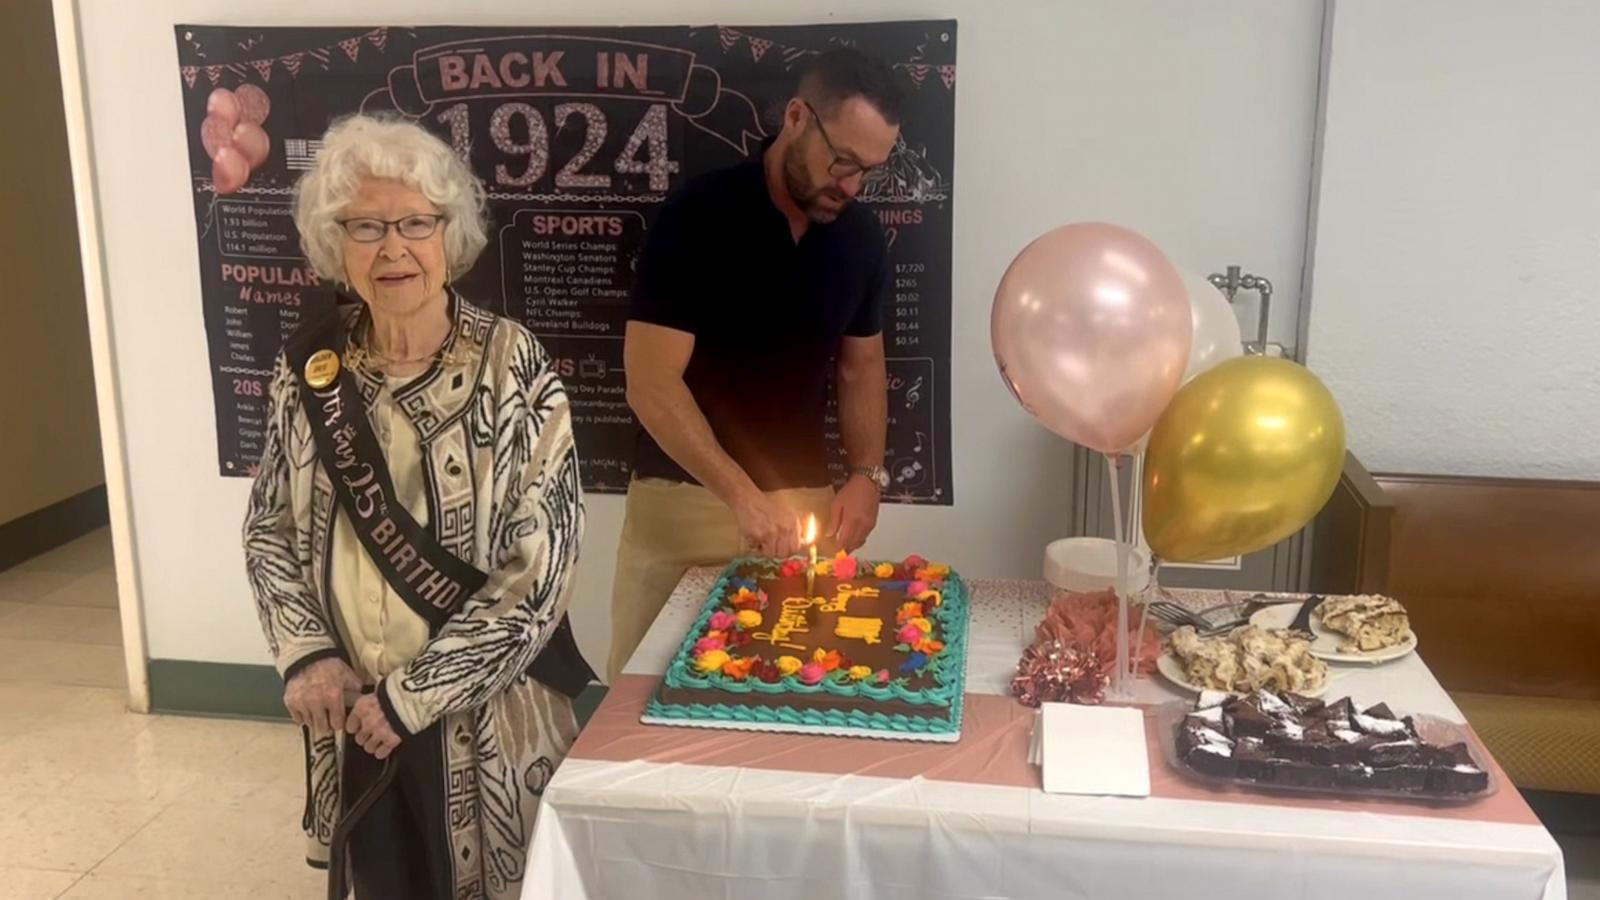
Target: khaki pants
{"type": "Point", "coordinates": [669, 526]}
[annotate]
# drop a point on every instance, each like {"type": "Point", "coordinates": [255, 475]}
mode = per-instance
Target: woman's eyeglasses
{"type": "Point", "coordinates": [412, 228]}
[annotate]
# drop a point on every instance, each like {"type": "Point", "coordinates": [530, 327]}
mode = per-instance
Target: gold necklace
{"type": "Point", "coordinates": [361, 358]}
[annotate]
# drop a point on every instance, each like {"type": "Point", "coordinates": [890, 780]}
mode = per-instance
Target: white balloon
{"type": "Point", "coordinates": [1216, 334]}
{"type": "Point", "coordinates": [1216, 329]}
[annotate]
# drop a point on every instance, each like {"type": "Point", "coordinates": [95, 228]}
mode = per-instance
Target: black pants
{"type": "Point", "coordinates": [400, 850]}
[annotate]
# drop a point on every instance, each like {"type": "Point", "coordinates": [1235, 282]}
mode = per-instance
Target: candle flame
{"type": "Point", "coordinates": [811, 530]}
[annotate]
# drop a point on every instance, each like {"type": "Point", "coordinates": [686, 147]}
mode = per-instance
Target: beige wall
{"type": "Point", "coordinates": [49, 436]}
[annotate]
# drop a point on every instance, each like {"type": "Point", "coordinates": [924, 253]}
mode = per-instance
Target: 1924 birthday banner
{"type": "Point", "coordinates": [579, 135]}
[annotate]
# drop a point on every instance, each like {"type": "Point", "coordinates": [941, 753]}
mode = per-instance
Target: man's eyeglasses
{"type": "Point", "coordinates": [841, 167]}
{"type": "Point", "coordinates": [412, 228]}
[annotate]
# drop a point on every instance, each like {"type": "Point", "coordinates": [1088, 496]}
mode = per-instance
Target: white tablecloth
{"type": "Point", "coordinates": [634, 829]}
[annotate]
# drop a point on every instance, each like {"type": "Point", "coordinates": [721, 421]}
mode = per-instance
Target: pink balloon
{"type": "Point", "coordinates": [1091, 328]}
{"type": "Point", "coordinates": [215, 133]}
{"type": "Point", "coordinates": [229, 171]}
{"type": "Point", "coordinates": [224, 104]}
{"type": "Point", "coordinates": [252, 141]}
{"type": "Point", "coordinates": [254, 104]}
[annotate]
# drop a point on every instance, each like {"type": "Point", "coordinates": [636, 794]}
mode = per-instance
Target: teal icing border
{"type": "Point", "coordinates": [949, 675]}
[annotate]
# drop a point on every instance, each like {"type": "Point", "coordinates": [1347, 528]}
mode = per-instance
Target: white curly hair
{"type": "Point", "coordinates": [363, 146]}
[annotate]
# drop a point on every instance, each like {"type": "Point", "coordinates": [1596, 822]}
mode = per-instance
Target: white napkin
{"type": "Point", "coordinates": [1093, 750]}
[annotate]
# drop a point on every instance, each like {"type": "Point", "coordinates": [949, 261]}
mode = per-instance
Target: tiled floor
{"type": "Point", "coordinates": [100, 804]}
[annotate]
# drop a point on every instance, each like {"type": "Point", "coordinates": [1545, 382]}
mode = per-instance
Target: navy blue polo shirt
{"type": "Point", "coordinates": [767, 314]}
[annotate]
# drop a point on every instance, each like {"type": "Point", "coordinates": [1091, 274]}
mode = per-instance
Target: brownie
{"type": "Point", "coordinates": [1305, 706]}
{"type": "Point", "coordinates": [1196, 733]}
{"type": "Point", "coordinates": [1246, 720]}
{"type": "Point", "coordinates": [1354, 775]}
{"type": "Point", "coordinates": [1301, 774]}
{"type": "Point", "coordinates": [1391, 728]}
{"type": "Point", "coordinates": [1400, 778]}
{"type": "Point", "coordinates": [1212, 759]}
{"type": "Point", "coordinates": [1341, 710]}
{"type": "Point", "coordinates": [1336, 751]}
{"type": "Point", "coordinates": [1455, 754]}
{"type": "Point", "coordinates": [1272, 704]}
{"type": "Point", "coordinates": [1395, 753]}
{"type": "Point", "coordinates": [1288, 740]}
{"type": "Point", "coordinates": [1464, 779]}
{"type": "Point", "coordinates": [1252, 759]}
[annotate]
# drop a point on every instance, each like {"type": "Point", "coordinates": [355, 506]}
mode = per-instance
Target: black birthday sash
{"type": "Point", "coordinates": [430, 579]}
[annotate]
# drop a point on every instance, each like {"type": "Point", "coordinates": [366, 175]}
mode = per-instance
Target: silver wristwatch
{"type": "Point", "coordinates": [878, 475]}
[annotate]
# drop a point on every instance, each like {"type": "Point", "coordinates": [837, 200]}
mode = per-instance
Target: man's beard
{"type": "Point", "coordinates": [806, 195]}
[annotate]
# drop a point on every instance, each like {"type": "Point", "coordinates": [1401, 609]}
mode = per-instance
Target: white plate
{"type": "Point", "coordinates": [1172, 670]}
{"type": "Point", "coordinates": [1326, 643]}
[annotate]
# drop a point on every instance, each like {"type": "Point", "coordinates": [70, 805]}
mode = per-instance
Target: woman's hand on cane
{"type": "Point", "coordinates": [315, 695]}
{"type": "Point", "coordinates": [371, 727]}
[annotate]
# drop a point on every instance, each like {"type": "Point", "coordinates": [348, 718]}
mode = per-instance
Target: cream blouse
{"type": "Point", "coordinates": [381, 631]}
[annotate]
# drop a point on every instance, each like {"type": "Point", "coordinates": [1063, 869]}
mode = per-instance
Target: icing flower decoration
{"type": "Point", "coordinates": [788, 665]}
{"type": "Point", "coordinates": [739, 639]}
{"type": "Point", "coordinates": [916, 588]}
{"type": "Point", "coordinates": [923, 624]}
{"type": "Point", "coordinates": [913, 563]}
{"type": "Point", "coordinates": [913, 663]}
{"type": "Point", "coordinates": [882, 677]}
{"type": "Point", "coordinates": [823, 567]}
{"type": "Point", "coordinates": [711, 661]}
{"type": "Point", "coordinates": [811, 673]}
{"type": "Point", "coordinates": [910, 634]}
{"type": "Point", "coordinates": [828, 661]}
{"type": "Point", "coordinates": [721, 620]}
{"type": "Point", "coordinates": [708, 644]}
{"type": "Point", "coordinates": [930, 597]}
{"type": "Point", "coordinates": [907, 611]}
{"type": "Point", "coordinates": [928, 646]}
{"type": "Point", "coordinates": [748, 599]}
{"type": "Point", "coordinates": [860, 673]}
{"type": "Point", "coordinates": [844, 567]}
{"type": "Point", "coordinates": [933, 572]}
{"type": "Point", "coordinates": [792, 567]}
{"type": "Point", "coordinates": [747, 618]}
{"type": "Point", "coordinates": [766, 672]}
{"type": "Point", "coordinates": [738, 669]}
{"type": "Point", "coordinates": [742, 585]}
{"type": "Point", "coordinates": [884, 570]}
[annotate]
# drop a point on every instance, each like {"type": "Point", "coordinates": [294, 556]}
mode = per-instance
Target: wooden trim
{"type": "Point", "coordinates": [1488, 481]}
{"type": "Point", "coordinates": [107, 387]}
{"type": "Point", "coordinates": [43, 530]}
{"type": "Point", "coordinates": [1356, 526]}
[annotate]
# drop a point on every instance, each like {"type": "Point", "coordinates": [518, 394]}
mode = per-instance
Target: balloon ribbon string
{"type": "Point", "coordinates": [1121, 683]}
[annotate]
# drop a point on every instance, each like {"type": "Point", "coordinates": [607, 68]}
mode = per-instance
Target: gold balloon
{"type": "Point", "coordinates": [1244, 455]}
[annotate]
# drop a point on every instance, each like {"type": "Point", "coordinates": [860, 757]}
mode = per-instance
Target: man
{"type": "Point", "coordinates": [751, 281]}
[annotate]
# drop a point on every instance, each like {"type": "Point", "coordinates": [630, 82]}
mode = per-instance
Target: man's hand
{"type": "Point", "coordinates": [315, 695]}
{"type": "Point", "coordinates": [855, 513]}
{"type": "Point", "coordinates": [767, 527]}
{"type": "Point", "coordinates": [371, 727]}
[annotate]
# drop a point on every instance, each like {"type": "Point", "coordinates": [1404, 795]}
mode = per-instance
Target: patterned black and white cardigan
{"type": "Point", "coordinates": [501, 474]}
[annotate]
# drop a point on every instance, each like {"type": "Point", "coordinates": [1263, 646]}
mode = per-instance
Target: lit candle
{"type": "Point", "coordinates": [811, 570]}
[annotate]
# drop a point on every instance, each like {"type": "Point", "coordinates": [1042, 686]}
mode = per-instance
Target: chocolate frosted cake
{"type": "Point", "coordinates": [845, 647]}
{"type": "Point", "coordinates": [1286, 740]}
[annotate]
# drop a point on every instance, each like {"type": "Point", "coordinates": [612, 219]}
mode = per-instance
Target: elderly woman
{"type": "Point", "coordinates": [413, 530]}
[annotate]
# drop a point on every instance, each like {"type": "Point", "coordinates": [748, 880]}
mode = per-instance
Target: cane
{"type": "Point", "coordinates": [338, 850]}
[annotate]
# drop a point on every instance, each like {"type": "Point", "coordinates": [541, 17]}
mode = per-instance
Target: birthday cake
{"type": "Point", "coordinates": [870, 650]}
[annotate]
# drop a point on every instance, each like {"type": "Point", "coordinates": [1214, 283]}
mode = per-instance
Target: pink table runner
{"type": "Point", "coordinates": [993, 750]}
